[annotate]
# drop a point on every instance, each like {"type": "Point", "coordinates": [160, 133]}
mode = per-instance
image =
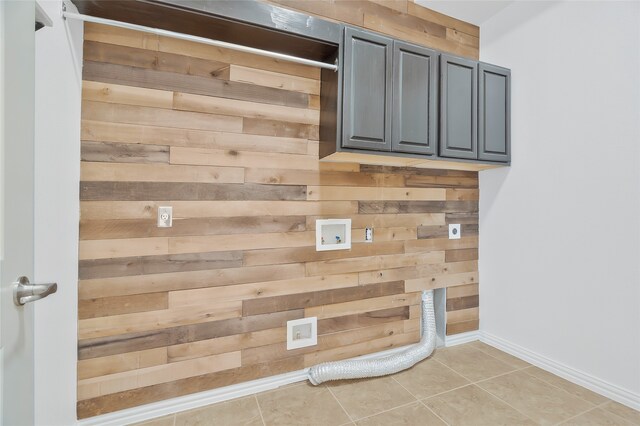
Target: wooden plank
{"type": "Point", "coordinates": [131, 114]}
{"type": "Point", "coordinates": [120, 36]}
{"type": "Point", "coordinates": [140, 228]}
{"type": "Point", "coordinates": [232, 158]}
{"type": "Point", "coordinates": [461, 255]}
{"type": "Point", "coordinates": [92, 328]}
{"type": "Point", "coordinates": [261, 290]}
{"type": "Point", "coordinates": [384, 220]}
{"type": "Point", "coordinates": [464, 302]}
{"type": "Point", "coordinates": [463, 194]}
{"type": "Point", "coordinates": [126, 95]}
{"type": "Point", "coordinates": [123, 153]}
{"type": "Point", "coordinates": [140, 396]}
{"type": "Point", "coordinates": [318, 298]}
{"type": "Point", "coordinates": [355, 321]}
{"type": "Point", "coordinates": [462, 291]}
{"type": "Point", "coordinates": [462, 327]}
{"type": "Point", "coordinates": [131, 133]}
{"type": "Point", "coordinates": [440, 281]}
{"type": "Point", "coordinates": [185, 191]}
{"type": "Point", "coordinates": [112, 364]}
{"type": "Point", "coordinates": [131, 342]}
{"type": "Point", "coordinates": [276, 80]}
{"type": "Point", "coordinates": [140, 265]}
{"type": "Point", "coordinates": [463, 39]}
{"type": "Point", "coordinates": [463, 315]}
{"type": "Point", "coordinates": [107, 306]}
{"type": "Point", "coordinates": [380, 193]}
{"type": "Point", "coordinates": [152, 283]}
{"type": "Point", "coordinates": [425, 181]}
{"type": "Point", "coordinates": [462, 217]}
{"type": "Point", "coordinates": [360, 264]}
{"type": "Point", "coordinates": [278, 128]}
{"type": "Point", "coordinates": [306, 254]}
{"type": "Point", "coordinates": [360, 306]}
{"type": "Point", "coordinates": [287, 176]}
{"type": "Point", "coordinates": [118, 172]}
{"type": "Point", "coordinates": [102, 249]}
{"type": "Point", "coordinates": [314, 101]}
{"type": "Point", "coordinates": [415, 171]}
{"type": "Point", "coordinates": [442, 231]}
{"type": "Point", "coordinates": [150, 59]}
{"type": "Point", "coordinates": [368, 207]}
{"type": "Point", "coordinates": [215, 105]}
{"type": "Point", "coordinates": [149, 376]}
{"type": "Point", "coordinates": [440, 244]}
{"type": "Point", "coordinates": [101, 210]}
{"type": "Point", "coordinates": [419, 273]}
{"type": "Point", "coordinates": [172, 82]}
{"type": "Point", "coordinates": [224, 344]}
{"type": "Point", "coordinates": [193, 244]}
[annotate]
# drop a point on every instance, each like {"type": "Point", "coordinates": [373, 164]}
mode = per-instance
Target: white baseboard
{"type": "Point", "coordinates": [458, 339]}
{"type": "Point", "coordinates": [201, 399]}
{"type": "Point", "coordinates": [578, 377]}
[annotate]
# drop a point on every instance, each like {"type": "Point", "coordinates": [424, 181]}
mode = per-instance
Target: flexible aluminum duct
{"type": "Point", "coordinates": [355, 369]}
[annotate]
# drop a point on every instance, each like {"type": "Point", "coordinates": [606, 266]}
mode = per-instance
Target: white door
{"type": "Point", "coordinates": [17, 70]}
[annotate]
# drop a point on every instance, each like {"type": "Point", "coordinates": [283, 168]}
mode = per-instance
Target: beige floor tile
{"type": "Point", "coordinates": [160, 421]}
{"type": "Point", "coordinates": [623, 411]}
{"type": "Point", "coordinates": [566, 385]}
{"type": "Point", "coordinates": [597, 417]}
{"type": "Point", "coordinates": [471, 405]}
{"type": "Point", "coordinates": [471, 363]}
{"type": "Point", "coordinates": [301, 405]}
{"type": "Point", "coordinates": [243, 411]}
{"type": "Point", "coordinates": [362, 398]}
{"type": "Point", "coordinates": [502, 356]}
{"type": "Point", "coordinates": [539, 400]}
{"type": "Point", "coordinates": [410, 415]}
{"type": "Point", "coordinates": [429, 377]}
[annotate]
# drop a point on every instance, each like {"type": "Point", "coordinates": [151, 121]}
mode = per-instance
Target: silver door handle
{"type": "Point", "coordinates": [25, 292]}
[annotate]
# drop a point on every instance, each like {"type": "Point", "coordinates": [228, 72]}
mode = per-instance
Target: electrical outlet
{"type": "Point", "coordinates": [368, 235]}
{"type": "Point", "coordinates": [454, 231]}
{"type": "Point", "coordinates": [165, 217]}
{"type": "Point", "coordinates": [302, 332]}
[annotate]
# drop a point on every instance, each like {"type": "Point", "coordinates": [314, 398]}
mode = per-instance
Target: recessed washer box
{"type": "Point", "coordinates": [333, 234]}
{"type": "Point", "coordinates": [302, 332]}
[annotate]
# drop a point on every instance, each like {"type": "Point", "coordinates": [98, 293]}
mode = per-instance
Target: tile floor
{"type": "Point", "coordinates": [472, 384]}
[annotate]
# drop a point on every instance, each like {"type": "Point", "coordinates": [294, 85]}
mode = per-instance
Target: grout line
{"type": "Point", "coordinates": [255, 396]}
{"type": "Point", "coordinates": [389, 409]}
{"type": "Point", "coordinates": [504, 402]}
{"type": "Point", "coordinates": [564, 390]}
{"type": "Point", "coordinates": [502, 361]}
{"type": "Point", "coordinates": [175, 418]}
{"type": "Point", "coordinates": [339, 403]}
{"type": "Point", "coordinates": [577, 415]}
{"type": "Point", "coordinates": [434, 413]}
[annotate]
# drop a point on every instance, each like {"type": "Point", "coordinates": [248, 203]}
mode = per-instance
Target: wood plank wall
{"type": "Point", "coordinates": [230, 140]}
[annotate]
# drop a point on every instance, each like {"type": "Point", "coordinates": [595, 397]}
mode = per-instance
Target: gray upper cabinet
{"type": "Point", "coordinates": [415, 82]}
{"type": "Point", "coordinates": [494, 113]}
{"type": "Point", "coordinates": [458, 107]}
{"type": "Point", "coordinates": [367, 91]}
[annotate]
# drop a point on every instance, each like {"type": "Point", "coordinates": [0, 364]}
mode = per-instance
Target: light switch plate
{"type": "Point", "coordinates": [165, 217]}
{"type": "Point", "coordinates": [454, 231]}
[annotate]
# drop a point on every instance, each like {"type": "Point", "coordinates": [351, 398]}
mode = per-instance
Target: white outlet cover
{"type": "Point", "coordinates": [454, 231]}
{"type": "Point", "coordinates": [165, 217]}
{"type": "Point", "coordinates": [312, 340]}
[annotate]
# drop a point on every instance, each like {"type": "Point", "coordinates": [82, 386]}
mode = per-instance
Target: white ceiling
{"type": "Point", "coordinates": [473, 11]}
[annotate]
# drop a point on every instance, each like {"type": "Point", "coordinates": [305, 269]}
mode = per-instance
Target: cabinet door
{"type": "Point", "coordinates": [415, 76]}
{"type": "Point", "coordinates": [367, 91]}
{"type": "Point", "coordinates": [494, 113]}
{"type": "Point", "coordinates": [458, 107]}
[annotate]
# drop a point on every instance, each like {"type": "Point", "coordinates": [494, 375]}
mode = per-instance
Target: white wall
{"type": "Point", "coordinates": [57, 175]}
{"type": "Point", "coordinates": [560, 229]}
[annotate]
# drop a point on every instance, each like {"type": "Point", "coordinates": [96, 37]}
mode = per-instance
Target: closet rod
{"type": "Point", "coordinates": [203, 40]}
